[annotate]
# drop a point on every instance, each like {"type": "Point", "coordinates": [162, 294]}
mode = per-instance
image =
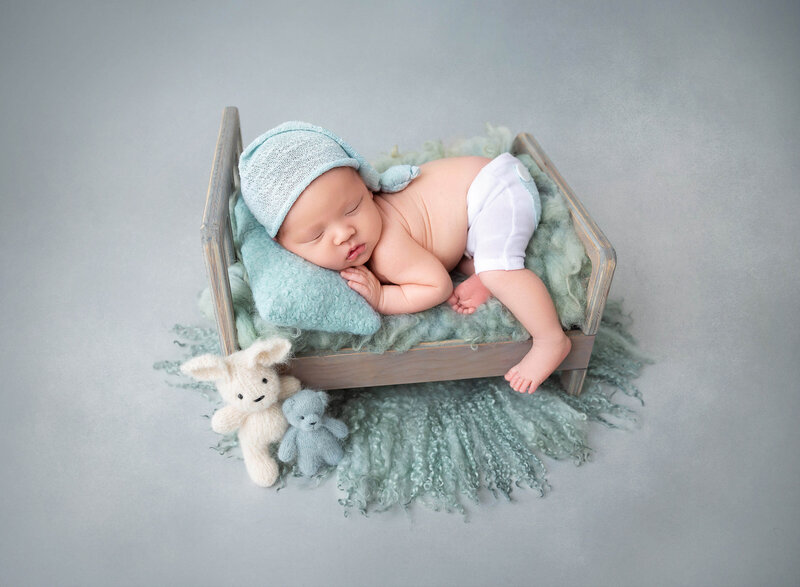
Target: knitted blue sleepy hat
{"type": "Point", "coordinates": [276, 167]}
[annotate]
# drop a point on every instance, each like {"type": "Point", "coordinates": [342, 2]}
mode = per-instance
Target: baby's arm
{"type": "Point", "coordinates": [421, 280]}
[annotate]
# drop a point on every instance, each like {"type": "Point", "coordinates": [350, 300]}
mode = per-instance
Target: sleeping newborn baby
{"type": "Point", "coordinates": [396, 236]}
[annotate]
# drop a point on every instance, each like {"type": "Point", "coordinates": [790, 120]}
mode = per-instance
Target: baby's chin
{"type": "Point", "coordinates": [339, 266]}
{"type": "Point", "coordinates": [351, 265]}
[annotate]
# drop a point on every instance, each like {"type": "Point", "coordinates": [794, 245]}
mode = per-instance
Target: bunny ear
{"type": "Point", "coordinates": [206, 368]}
{"type": "Point", "coordinates": [269, 352]}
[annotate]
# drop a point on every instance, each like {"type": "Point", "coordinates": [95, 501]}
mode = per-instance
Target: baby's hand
{"type": "Point", "coordinates": [363, 281]}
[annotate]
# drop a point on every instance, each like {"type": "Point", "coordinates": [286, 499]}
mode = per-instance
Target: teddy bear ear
{"type": "Point", "coordinates": [324, 397]}
{"type": "Point", "coordinates": [268, 352]}
{"type": "Point", "coordinates": [206, 368]}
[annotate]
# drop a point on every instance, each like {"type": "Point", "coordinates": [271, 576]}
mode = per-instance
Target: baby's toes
{"type": "Point", "coordinates": [513, 378]}
{"type": "Point", "coordinates": [522, 384]}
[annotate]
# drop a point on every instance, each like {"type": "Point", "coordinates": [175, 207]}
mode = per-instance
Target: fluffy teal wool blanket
{"type": "Point", "coordinates": [449, 444]}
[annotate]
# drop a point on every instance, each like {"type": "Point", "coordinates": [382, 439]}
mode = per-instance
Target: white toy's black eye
{"type": "Point", "coordinates": [240, 396]}
{"type": "Point", "coordinates": [302, 417]}
{"type": "Point", "coordinates": [264, 380]}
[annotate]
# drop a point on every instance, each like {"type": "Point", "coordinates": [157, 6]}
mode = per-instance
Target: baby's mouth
{"type": "Point", "coordinates": [355, 252]}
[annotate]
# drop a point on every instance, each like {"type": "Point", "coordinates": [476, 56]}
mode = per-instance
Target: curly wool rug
{"type": "Point", "coordinates": [448, 444]}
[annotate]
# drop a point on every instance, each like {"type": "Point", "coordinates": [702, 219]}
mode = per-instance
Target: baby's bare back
{"type": "Point", "coordinates": [433, 208]}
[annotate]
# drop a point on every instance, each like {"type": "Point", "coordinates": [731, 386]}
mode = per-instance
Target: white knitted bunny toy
{"type": "Point", "coordinates": [249, 383]}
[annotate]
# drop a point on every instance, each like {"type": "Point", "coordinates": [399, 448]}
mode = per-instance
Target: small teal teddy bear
{"type": "Point", "coordinates": [312, 436]}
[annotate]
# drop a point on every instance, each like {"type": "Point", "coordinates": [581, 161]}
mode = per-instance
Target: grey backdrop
{"type": "Point", "coordinates": [677, 125]}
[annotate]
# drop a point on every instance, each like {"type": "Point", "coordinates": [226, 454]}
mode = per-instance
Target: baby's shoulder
{"type": "Point", "coordinates": [392, 247]}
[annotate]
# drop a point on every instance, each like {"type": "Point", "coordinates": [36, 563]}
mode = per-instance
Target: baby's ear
{"type": "Point", "coordinates": [266, 353]}
{"type": "Point", "coordinates": [206, 368]}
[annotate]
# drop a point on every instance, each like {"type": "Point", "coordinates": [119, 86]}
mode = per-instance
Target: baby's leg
{"type": "Point", "coordinates": [524, 294]}
{"type": "Point", "coordinates": [470, 293]}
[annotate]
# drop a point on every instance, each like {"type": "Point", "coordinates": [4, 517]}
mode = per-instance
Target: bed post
{"type": "Point", "coordinates": [216, 234]}
{"type": "Point", "coordinates": [597, 247]}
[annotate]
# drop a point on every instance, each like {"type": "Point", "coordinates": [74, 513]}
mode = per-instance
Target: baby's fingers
{"type": "Point", "coordinates": [360, 288]}
{"type": "Point", "coordinates": [352, 273]}
{"type": "Point", "coordinates": [354, 277]}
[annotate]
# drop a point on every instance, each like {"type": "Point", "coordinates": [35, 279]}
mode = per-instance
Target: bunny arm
{"type": "Point", "coordinates": [227, 420]}
{"type": "Point", "coordinates": [289, 386]}
{"type": "Point", "coordinates": [288, 448]}
{"type": "Point", "coordinates": [337, 427]}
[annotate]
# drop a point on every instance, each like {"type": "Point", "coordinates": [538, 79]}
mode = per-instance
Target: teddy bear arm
{"type": "Point", "coordinates": [337, 427]}
{"type": "Point", "coordinates": [330, 450]}
{"type": "Point", "coordinates": [227, 420]}
{"type": "Point", "coordinates": [288, 448]}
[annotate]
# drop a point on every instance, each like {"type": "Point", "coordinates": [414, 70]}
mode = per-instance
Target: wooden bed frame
{"type": "Point", "coordinates": [434, 361]}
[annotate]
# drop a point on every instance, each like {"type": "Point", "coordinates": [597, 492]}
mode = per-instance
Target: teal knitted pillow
{"type": "Point", "coordinates": [290, 291]}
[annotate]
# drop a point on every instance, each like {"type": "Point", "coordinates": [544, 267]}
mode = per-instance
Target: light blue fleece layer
{"type": "Point", "coordinates": [290, 291]}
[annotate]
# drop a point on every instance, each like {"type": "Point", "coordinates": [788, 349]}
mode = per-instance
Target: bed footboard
{"type": "Point", "coordinates": [597, 246]}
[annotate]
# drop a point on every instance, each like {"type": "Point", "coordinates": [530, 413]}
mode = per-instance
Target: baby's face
{"type": "Point", "coordinates": [335, 222]}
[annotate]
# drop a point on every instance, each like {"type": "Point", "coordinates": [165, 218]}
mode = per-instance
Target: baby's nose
{"type": "Point", "coordinates": [344, 233]}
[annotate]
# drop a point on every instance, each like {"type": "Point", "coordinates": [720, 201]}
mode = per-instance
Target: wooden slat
{"type": "Point", "coordinates": [440, 361]}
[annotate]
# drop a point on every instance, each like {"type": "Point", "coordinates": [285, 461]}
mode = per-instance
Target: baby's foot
{"type": "Point", "coordinates": [538, 364]}
{"type": "Point", "coordinates": [469, 295]}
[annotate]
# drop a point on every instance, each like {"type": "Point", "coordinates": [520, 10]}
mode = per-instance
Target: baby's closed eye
{"type": "Point", "coordinates": [354, 208]}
